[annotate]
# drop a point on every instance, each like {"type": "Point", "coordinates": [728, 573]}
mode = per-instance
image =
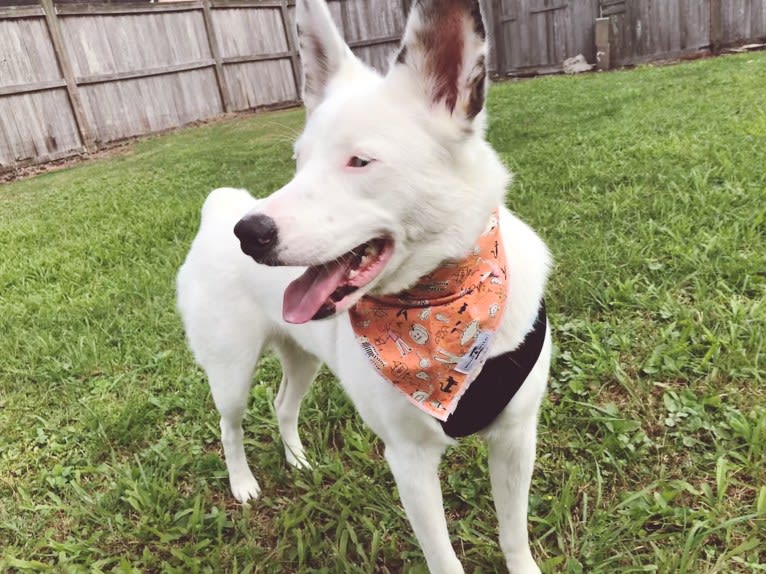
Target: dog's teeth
{"type": "Point", "coordinates": [371, 252]}
{"type": "Point", "coordinates": [353, 273]}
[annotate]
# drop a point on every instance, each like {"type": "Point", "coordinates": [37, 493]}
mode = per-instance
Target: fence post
{"type": "Point", "coordinates": [603, 45]}
{"type": "Point", "coordinates": [344, 18]}
{"type": "Point", "coordinates": [212, 41]}
{"type": "Point", "coordinates": [57, 39]}
{"type": "Point", "coordinates": [498, 34]}
{"type": "Point", "coordinates": [292, 46]}
{"type": "Point", "coordinates": [716, 29]}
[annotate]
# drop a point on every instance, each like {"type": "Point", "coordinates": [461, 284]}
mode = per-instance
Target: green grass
{"type": "Point", "coordinates": [650, 188]}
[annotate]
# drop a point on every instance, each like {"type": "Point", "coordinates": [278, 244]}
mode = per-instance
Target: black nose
{"type": "Point", "coordinates": [257, 235]}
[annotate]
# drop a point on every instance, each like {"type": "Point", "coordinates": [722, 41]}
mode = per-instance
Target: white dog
{"type": "Point", "coordinates": [394, 182]}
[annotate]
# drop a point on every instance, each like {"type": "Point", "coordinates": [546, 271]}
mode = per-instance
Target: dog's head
{"type": "Point", "coordinates": [393, 173]}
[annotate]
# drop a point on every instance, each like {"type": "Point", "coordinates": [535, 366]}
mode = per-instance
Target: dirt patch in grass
{"type": "Point", "coordinates": [25, 171]}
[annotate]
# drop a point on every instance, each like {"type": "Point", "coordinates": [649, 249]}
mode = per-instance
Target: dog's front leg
{"type": "Point", "coordinates": [230, 385]}
{"type": "Point", "coordinates": [511, 444]}
{"type": "Point", "coordinates": [299, 369]}
{"type": "Point", "coordinates": [416, 471]}
{"type": "Point", "coordinates": [511, 461]}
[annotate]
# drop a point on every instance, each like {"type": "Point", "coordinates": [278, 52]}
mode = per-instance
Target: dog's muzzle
{"type": "Point", "coordinates": [257, 236]}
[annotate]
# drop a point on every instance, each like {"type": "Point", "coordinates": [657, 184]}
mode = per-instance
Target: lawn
{"type": "Point", "coordinates": [649, 186]}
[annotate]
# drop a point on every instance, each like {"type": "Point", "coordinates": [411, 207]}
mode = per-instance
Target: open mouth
{"type": "Point", "coordinates": [326, 289]}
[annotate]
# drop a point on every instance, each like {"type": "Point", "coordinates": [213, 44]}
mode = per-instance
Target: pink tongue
{"type": "Point", "coordinates": [304, 296]}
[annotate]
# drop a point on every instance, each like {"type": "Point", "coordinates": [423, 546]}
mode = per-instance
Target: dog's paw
{"type": "Point", "coordinates": [244, 487]}
{"type": "Point", "coordinates": [525, 567]}
{"type": "Point", "coordinates": [296, 457]}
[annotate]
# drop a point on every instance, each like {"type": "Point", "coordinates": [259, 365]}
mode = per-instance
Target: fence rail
{"type": "Point", "coordinates": [75, 77]}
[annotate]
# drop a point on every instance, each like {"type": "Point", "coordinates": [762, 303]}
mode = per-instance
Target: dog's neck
{"type": "Point", "coordinates": [452, 279]}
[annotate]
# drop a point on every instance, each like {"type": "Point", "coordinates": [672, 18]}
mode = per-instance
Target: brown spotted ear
{"type": "Point", "coordinates": [322, 49]}
{"type": "Point", "coordinates": [445, 45]}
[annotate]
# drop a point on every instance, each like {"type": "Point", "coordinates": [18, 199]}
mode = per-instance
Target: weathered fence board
{"type": "Point", "coordinates": [372, 28]}
{"type": "Point", "coordinates": [261, 84]}
{"type": "Point", "coordinates": [26, 52]}
{"type": "Point", "coordinates": [743, 20]}
{"type": "Point", "coordinates": [257, 53]}
{"type": "Point", "coordinates": [370, 19]}
{"type": "Point", "coordinates": [123, 109]}
{"type": "Point", "coordinates": [643, 30]}
{"type": "Point", "coordinates": [541, 34]}
{"type": "Point", "coordinates": [249, 32]}
{"type": "Point", "coordinates": [695, 22]}
{"type": "Point", "coordinates": [36, 127]}
{"type": "Point", "coordinates": [129, 42]}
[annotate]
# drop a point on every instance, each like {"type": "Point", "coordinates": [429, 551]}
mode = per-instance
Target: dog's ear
{"type": "Point", "coordinates": [322, 49]}
{"type": "Point", "coordinates": [445, 47]}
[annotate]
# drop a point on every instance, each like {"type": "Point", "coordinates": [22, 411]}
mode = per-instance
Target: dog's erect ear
{"type": "Point", "coordinates": [322, 49]}
{"type": "Point", "coordinates": [445, 46]}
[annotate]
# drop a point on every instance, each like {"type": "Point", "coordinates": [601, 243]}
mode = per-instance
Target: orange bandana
{"type": "Point", "coordinates": [432, 340]}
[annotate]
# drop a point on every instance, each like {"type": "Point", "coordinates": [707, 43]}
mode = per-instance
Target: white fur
{"type": "Point", "coordinates": [431, 190]}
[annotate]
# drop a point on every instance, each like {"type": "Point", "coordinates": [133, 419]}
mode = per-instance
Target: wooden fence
{"type": "Point", "coordinates": [642, 30]}
{"type": "Point", "coordinates": [74, 77]}
{"type": "Point", "coordinates": [533, 36]}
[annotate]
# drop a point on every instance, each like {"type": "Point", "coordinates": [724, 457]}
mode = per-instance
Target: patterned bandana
{"type": "Point", "coordinates": [432, 340]}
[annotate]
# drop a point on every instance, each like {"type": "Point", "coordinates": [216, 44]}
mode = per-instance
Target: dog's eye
{"type": "Point", "coordinates": [357, 162]}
